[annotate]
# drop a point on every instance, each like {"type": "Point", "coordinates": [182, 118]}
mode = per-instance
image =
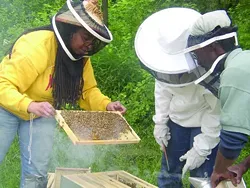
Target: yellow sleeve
{"type": "Point", "coordinates": [92, 98]}
{"type": "Point", "coordinates": [16, 76]}
{"type": "Point", "coordinates": [30, 57]}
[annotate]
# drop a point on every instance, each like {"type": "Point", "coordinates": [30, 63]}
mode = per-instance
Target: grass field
{"type": "Point", "coordinates": [141, 160]}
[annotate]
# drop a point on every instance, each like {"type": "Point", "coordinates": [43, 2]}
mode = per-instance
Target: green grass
{"type": "Point", "coordinates": [118, 75]}
{"type": "Point", "coordinates": [138, 159]}
{"type": "Point", "coordinates": [141, 160]}
{"type": "Point", "coordinates": [10, 168]}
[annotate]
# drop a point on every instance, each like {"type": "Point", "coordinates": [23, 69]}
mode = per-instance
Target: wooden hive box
{"type": "Point", "coordinates": [54, 179]}
{"type": "Point", "coordinates": [96, 127]}
{"type": "Point", "coordinates": [112, 179]}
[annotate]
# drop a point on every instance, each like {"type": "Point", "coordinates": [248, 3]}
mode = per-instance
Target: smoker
{"type": "Point", "coordinates": [205, 183]}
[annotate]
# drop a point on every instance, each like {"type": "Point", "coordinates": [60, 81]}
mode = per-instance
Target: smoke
{"type": "Point", "coordinates": [135, 159]}
{"type": "Point", "coordinates": [67, 155]}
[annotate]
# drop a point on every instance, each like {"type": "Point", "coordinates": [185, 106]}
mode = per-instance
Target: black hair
{"type": "Point", "coordinates": [68, 75]}
{"type": "Point", "coordinates": [68, 80]}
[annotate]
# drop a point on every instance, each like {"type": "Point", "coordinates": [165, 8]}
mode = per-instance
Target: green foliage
{"type": "Point", "coordinates": [139, 100]}
{"type": "Point", "coordinates": [208, 5]}
{"type": "Point", "coordinates": [244, 153]}
{"type": "Point", "coordinates": [240, 16]}
{"type": "Point", "coordinates": [119, 76]}
{"type": "Point", "coordinates": [118, 63]}
{"type": "Point", "coordinates": [10, 168]}
{"type": "Point", "coordinates": [18, 16]}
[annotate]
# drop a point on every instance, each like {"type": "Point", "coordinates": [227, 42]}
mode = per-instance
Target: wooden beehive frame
{"type": "Point", "coordinates": [112, 179]}
{"type": "Point", "coordinates": [128, 138]}
{"type": "Point", "coordinates": [129, 178]}
{"type": "Point", "coordinates": [51, 180]}
{"type": "Point", "coordinates": [67, 171]}
{"type": "Point", "coordinates": [54, 179]}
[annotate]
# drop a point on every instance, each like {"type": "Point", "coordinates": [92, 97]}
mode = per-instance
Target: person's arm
{"type": "Point", "coordinates": [210, 126]}
{"type": "Point", "coordinates": [235, 128]}
{"type": "Point", "coordinates": [92, 98]}
{"type": "Point", "coordinates": [246, 162]}
{"type": "Point", "coordinates": [238, 170]}
{"type": "Point", "coordinates": [162, 103]}
{"type": "Point", "coordinates": [209, 136]}
{"type": "Point", "coordinates": [230, 147]}
{"type": "Point", "coordinates": [16, 76]}
{"type": "Point", "coordinates": [222, 163]}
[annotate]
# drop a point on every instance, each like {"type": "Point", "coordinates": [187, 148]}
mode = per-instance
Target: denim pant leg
{"type": "Point", "coordinates": [206, 169]}
{"type": "Point", "coordinates": [36, 143]}
{"type": "Point", "coordinates": [8, 130]}
{"type": "Point", "coordinates": [177, 146]}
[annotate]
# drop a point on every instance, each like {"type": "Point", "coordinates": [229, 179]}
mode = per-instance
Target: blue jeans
{"type": "Point", "coordinates": [35, 145]}
{"type": "Point", "coordinates": [181, 141]}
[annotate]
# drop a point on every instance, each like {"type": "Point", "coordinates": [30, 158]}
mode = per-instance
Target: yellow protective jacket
{"type": "Point", "coordinates": [27, 76]}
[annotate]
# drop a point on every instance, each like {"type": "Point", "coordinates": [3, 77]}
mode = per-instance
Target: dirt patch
{"type": "Point", "coordinates": [95, 125]}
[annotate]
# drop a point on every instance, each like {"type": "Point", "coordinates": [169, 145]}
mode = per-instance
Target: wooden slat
{"type": "Point", "coordinates": [110, 181]}
{"type": "Point", "coordinates": [51, 179]}
{"type": "Point", "coordinates": [85, 183]}
{"type": "Point", "coordinates": [129, 177]}
{"type": "Point", "coordinates": [66, 128]}
{"type": "Point", "coordinates": [132, 131]}
{"type": "Point", "coordinates": [67, 171]}
{"type": "Point", "coordinates": [99, 142]}
{"type": "Point", "coordinates": [130, 137]}
{"type": "Point", "coordinates": [97, 180]}
{"type": "Point", "coordinates": [133, 179]}
{"type": "Point", "coordinates": [69, 181]}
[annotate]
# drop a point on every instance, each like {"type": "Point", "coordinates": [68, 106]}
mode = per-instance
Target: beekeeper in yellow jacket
{"type": "Point", "coordinates": [46, 69]}
{"type": "Point", "coordinates": [186, 116]}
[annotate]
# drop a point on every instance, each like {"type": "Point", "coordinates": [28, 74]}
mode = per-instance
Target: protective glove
{"type": "Point", "coordinates": [193, 160]}
{"type": "Point", "coordinates": [162, 134]}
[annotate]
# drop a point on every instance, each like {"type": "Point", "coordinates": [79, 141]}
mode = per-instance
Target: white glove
{"type": "Point", "coordinates": [193, 160]}
{"type": "Point", "coordinates": [162, 134]}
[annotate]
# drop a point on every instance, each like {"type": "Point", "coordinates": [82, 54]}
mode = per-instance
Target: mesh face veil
{"type": "Point", "coordinates": [159, 37]}
{"type": "Point", "coordinates": [213, 27]}
{"type": "Point", "coordinates": [174, 61]}
{"type": "Point", "coordinates": [85, 15]}
{"type": "Point", "coordinates": [210, 78]}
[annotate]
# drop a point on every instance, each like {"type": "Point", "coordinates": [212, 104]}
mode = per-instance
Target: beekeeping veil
{"type": "Point", "coordinates": [211, 28]}
{"type": "Point", "coordinates": [83, 14]}
{"type": "Point", "coordinates": [158, 42]}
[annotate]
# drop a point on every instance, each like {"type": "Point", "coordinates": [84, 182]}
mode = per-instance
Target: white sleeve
{"type": "Point", "coordinates": [162, 103]}
{"type": "Point", "coordinates": [210, 127]}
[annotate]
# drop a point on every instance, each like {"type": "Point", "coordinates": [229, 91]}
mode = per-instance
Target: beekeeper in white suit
{"type": "Point", "coordinates": [186, 115]}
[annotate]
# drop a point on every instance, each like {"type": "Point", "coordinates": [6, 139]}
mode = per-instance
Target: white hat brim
{"type": "Point", "coordinates": [151, 53]}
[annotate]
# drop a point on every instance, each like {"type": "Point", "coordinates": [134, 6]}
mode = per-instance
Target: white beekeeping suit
{"type": "Point", "coordinates": [160, 45]}
{"type": "Point", "coordinates": [188, 106]}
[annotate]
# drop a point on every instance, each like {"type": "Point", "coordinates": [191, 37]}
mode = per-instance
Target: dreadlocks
{"type": "Point", "coordinates": [67, 76]}
{"type": "Point", "coordinates": [67, 80]}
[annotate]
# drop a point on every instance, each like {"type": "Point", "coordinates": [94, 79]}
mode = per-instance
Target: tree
{"type": "Point", "coordinates": [105, 11]}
